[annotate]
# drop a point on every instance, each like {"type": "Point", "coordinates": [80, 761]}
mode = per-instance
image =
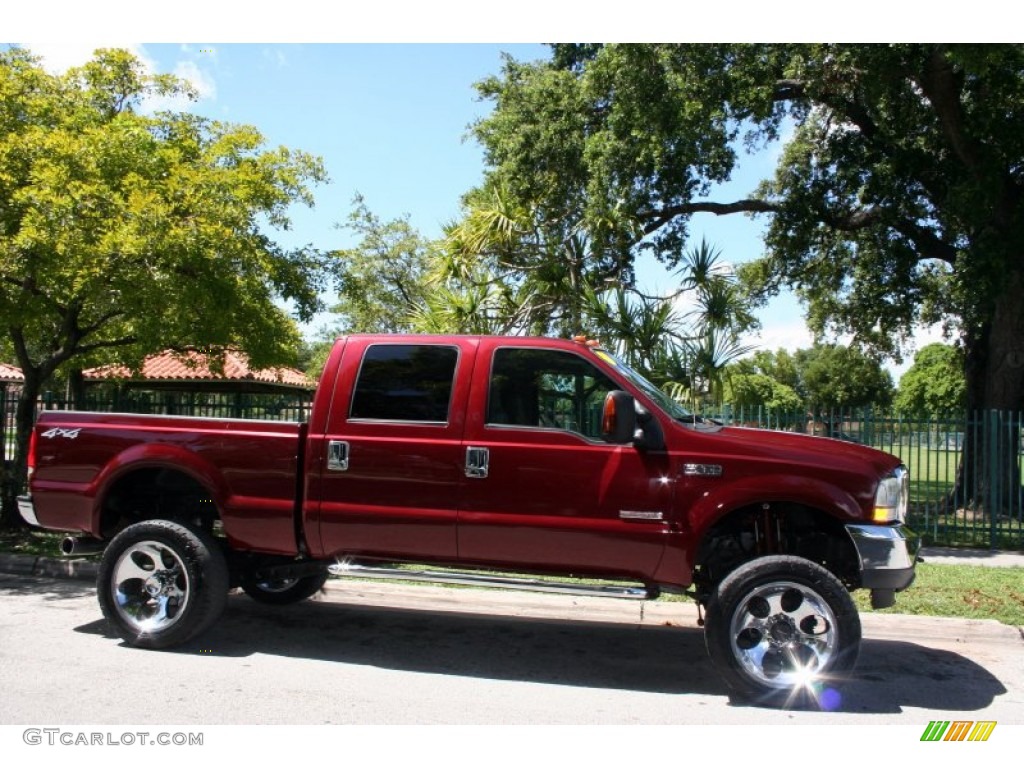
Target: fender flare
{"type": "Point", "coordinates": [765, 489]}
{"type": "Point", "coordinates": [155, 456]}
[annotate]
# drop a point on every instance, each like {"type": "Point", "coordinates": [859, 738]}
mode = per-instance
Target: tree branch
{"type": "Point", "coordinates": [942, 85]}
{"type": "Point", "coordinates": [83, 332]}
{"type": "Point", "coordinates": [28, 284]}
{"type": "Point", "coordinates": [657, 219]}
{"type": "Point", "coordinates": [123, 342]}
{"type": "Point", "coordinates": [789, 90]}
{"type": "Point", "coordinates": [927, 243]}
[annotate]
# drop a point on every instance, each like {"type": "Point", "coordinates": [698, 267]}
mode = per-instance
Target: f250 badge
{"type": "Point", "coordinates": [71, 434]}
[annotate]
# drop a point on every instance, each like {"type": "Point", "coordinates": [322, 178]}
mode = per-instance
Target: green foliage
{"type": "Point", "coordinates": [838, 377]}
{"type": "Point", "coordinates": [122, 234]}
{"type": "Point", "coordinates": [782, 366]}
{"type": "Point", "coordinates": [526, 265]}
{"type": "Point", "coordinates": [752, 390]}
{"type": "Point", "coordinates": [898, 197]}
{"type": "Point", "coordinates": [312, 355]}
{"type": "Point", "coordinates": [383, 279]}
{"type": "Point", "coordinates": [819, 379]}
{"type": "Point", "coordinates": [934, 384]}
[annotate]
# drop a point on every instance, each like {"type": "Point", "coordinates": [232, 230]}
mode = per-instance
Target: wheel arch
{"type": "Point", "coordinates": [773, 527]}
{"type": "Point", "coordinates": [141, 484]}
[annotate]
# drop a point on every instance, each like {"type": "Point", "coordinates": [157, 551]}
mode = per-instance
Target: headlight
{"type": "Point", "coordinates": [892, 497]}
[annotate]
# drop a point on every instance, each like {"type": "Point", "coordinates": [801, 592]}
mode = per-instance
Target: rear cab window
{"type": "Point", "coordinates": [405, 383]}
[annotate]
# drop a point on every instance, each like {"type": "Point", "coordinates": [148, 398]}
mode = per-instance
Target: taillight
{"type": "Point", "coordinates": [31, 454]}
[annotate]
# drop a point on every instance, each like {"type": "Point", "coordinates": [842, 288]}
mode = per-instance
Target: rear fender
{"type": "Point", "coordinates": [154, 456]}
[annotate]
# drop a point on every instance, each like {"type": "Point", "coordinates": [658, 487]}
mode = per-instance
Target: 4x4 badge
{"type": "Point", "coordinates": [71, 434]}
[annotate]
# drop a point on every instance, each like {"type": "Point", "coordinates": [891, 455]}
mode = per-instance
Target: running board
{"type": "Point", "coordinates": [355, 570]}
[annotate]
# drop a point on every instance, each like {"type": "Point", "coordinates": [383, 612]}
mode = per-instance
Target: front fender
{"type": "Point", "coordinates": [718, 502]}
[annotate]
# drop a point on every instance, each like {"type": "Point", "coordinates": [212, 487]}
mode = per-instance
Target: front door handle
{"type": "Point", "coordinates": [337, 455]}
{"type": "Point", "coordinates": [477, 462]}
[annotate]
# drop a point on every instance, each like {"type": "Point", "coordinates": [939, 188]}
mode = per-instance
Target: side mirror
{"type": "Point", "coordinates": [618, 418]}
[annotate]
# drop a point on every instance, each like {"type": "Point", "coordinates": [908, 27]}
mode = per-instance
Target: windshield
{"type": "Point", "coordinates": [666, 403]}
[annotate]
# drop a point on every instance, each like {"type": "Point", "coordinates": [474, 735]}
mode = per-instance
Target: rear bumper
{"type": "Point", "coordinates": [887, 555]}
{"type": "Point", "coordinates": [28, 510]}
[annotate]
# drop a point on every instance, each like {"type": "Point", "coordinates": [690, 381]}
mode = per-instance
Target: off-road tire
{"type": "Point", "coordinates": [782, 630]}
{"type": "Point", "coordinates": [283, 591]}
{"type": "Point", "coordinates": [160, 583]}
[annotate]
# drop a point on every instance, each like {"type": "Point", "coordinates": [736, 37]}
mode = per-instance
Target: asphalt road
{"type": "Point", "coordinates": [387, 654]}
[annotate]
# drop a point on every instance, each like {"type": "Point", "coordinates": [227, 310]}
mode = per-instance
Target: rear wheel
{"type": "Point", "coordinates": [783, 630]}
{"type": "Point", "coordinates": [284, 591]}
{"type": "Point", "coordinates": [160, 583]}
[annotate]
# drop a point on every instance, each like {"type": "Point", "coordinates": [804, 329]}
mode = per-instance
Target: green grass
{"type": "Point", "coordinates": [960, 591]}
{"type": "Point", "coordinates": [37, 543]}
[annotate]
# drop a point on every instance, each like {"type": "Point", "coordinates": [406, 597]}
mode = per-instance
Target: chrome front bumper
{"type": "Point", "coordinates": [887, 555]}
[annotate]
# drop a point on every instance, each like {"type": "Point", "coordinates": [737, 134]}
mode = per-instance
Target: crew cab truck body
{"type": "Point", "coordinates": [486, 454]}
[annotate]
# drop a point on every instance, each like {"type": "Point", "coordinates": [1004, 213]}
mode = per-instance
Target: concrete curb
{"type": "Point", "coordinates": [31, 565]}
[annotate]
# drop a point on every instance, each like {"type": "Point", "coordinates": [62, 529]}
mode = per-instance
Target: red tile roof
{"type": "Point", "coordinates": [10, 373]}
{"type": "Point", "coordinates": [195, 366]}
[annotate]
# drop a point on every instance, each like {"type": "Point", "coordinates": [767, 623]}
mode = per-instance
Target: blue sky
{"type": "Point", "coordinates": [390, 122]}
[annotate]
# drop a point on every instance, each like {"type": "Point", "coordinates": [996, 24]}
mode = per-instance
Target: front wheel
{"type": "Point", "coordinates": [783, 630]}
{"type": "Point", "coordinates": [160, 584]}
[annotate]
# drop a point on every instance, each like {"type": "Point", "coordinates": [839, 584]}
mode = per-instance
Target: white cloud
{"type": "Point", "coordinates": [200, 79]}
{"type": "Point", "coordinates": [59, 57]}
{"type": "Point", "coordinates": [788, 336]}
{"type": "Point", "coordinates": [275, 56]}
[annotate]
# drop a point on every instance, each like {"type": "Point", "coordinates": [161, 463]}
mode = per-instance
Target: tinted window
{"type": "Point", "coordinates": [405, 382]}
{"type": "Point", "coordinates": [547, 388]}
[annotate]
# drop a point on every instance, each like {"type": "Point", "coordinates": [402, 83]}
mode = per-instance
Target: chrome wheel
{"type": "Point", "coordinates": [276, 585]}
{"type": "Point", "coordinates": [284, 591]}
{"type": "Point", "coordinates": [150, 586]}
{"type": "Point", "coordinates": [783, 630]}
{"type": "Point", "coordinates": [161, 583]}
{"type": "Point", "coordinates": [783, 634]}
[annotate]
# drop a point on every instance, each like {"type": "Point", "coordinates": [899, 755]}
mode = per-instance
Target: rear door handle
{"type": "Point", "coordinates": [477, 462]}
{"type": "Point", "coordinates": [337, 455]}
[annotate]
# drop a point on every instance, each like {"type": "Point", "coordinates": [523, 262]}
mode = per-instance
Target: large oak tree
{"type": "Point", "coordinates": [123, 233]}
{"type": "Point", "coordinates": [898, 197]}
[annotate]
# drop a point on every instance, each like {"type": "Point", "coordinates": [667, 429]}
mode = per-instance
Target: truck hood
{"type": "Point", "coordinates": [789, 447]}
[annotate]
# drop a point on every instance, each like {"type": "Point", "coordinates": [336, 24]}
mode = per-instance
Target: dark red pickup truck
{"type": "Point", "coordinates": [477, 456]}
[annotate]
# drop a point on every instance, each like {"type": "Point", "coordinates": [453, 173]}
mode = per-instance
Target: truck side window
{"type": "Point", "coordinates": [405, 382]}
{"type": "Point", "coordinates": [548, 389]}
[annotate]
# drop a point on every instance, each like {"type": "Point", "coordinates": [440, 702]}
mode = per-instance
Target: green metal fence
{"type": "Point", "coordinates": [965, 469]}
{"type": "Point", "coordinates": [283, 407]}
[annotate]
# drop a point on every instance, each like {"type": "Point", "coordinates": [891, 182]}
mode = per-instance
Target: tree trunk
{"type": "Point", "coordinates": [989, 477]}
{"type": "Point", "coordinates": [76, 389]}
{"type": "Point", "coordinates": [25, 417]}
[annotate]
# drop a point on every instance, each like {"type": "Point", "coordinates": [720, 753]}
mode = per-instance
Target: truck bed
{"type": "Point", "coordinates": [251, 467]}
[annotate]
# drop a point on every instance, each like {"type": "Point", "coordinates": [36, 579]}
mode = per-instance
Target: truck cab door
{"type": "Point", "coordinates": [542, 490]}
{"type": "Point", "coordinates": [390, 458]}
